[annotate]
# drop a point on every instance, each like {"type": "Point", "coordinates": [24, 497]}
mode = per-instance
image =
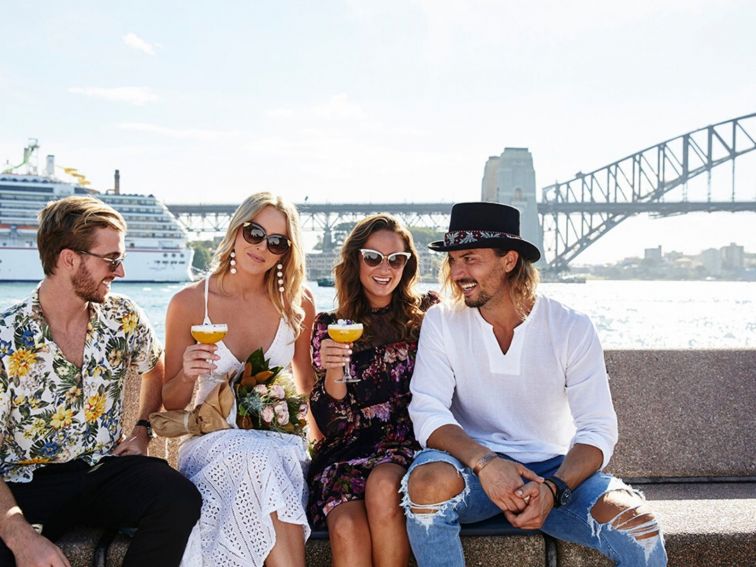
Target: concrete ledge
{"type": "Point", "coordinates": [484, 551]}
{"type": "Point", "coordinates": [117, 551]}
{"type": "Point", "coordinates": [79, 546]}
{"type": "Point", "coordinates": [709, 525]}
{"type": "Point", "coordinates": [683, 413]}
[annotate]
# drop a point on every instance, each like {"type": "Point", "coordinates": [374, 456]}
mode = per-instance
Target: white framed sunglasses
{"type": "Point", "coordinates": [395, 260]}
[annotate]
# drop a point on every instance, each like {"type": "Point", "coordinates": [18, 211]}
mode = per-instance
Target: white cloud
{"type": "Point", "coordinates": [133, 95]}
{"type": "Point", "coordinates": [176, 133]}
{"type": "Point", "coordinates": [135, 42]}
{"type": "Point", "coordinates": [338, 107]}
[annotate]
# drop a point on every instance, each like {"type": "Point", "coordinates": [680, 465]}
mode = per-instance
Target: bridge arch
{"type": "Point", "coordinates": [576, 213]}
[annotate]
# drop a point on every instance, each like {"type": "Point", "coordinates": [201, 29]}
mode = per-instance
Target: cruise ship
{"type": "Point", "coordinates": [157, 247]}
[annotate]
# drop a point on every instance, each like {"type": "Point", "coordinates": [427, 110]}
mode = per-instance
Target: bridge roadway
{"type": "Point", "coordinates": [322, 208]}
{"type": "Point", "coordinates": [660, 208]}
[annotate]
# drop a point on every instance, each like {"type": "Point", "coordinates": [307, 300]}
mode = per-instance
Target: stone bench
{"type": "Point", "coordinates": [687, 440]}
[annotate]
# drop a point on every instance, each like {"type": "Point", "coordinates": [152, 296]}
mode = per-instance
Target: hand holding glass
{"type": "Point", "coordinates": [209, 334]}
{"type": "Point", "coordinates": [345, 333]}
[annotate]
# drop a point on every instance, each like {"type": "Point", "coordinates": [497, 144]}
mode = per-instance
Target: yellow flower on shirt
{"type": "Point", "coordinates": [61, 418]}
{"type": "Point", "coordinates": [20, 362]}
{"type": "Point", "coordinates": [129, 322]}
{"type": "Point", "coordinates": [94, 407]}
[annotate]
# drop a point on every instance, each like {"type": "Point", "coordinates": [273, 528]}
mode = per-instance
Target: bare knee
{"type": "Point", "coordinates": [626, 512]}
{"type": "Point", "coordinates": [382, 491]}
{"type": "Point", "coordinates": [347, 523]}
{"type": "Point", "coordinates": [434, 483]}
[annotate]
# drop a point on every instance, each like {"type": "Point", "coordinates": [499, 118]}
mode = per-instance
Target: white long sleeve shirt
{"type": "Point", "coordinates": [548, 392]}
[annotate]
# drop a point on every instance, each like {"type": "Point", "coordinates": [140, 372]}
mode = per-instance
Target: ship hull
{"type": "Point", "coordinates": [23, 264]}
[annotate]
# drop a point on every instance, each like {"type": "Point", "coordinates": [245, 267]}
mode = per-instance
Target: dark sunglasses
{"type": "Point", "coordinates": [113, 262]}
{"type": "Point", "coordinates": [253, 233]}
{"type": "Point", "coordinates": [395, 260]}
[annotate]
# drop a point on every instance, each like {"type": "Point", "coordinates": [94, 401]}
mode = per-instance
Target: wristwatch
{"type": "Point", "coordinates": [562, 492]}
{"type": "Point", "coordinates": [147, 425]}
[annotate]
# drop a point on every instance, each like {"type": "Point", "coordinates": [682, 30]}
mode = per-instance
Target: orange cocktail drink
{"type": "Point", "coordinates": [209, 334]}
{"type": "Point", "coordinates": [345, 332]}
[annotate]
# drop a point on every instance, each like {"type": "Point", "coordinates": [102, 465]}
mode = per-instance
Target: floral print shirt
{"type": "Point", "coordinates": [51, 411]}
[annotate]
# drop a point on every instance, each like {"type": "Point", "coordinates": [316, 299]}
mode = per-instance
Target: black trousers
{"type": "Point", "coordinates": [128, 491]}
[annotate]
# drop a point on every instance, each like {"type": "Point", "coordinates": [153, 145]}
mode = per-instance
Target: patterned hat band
{"type": "Point", "coordinates": [455, 237]}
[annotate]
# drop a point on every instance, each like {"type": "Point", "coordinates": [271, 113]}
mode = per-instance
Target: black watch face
{"type": "Point", "coordinates": [565, 497]}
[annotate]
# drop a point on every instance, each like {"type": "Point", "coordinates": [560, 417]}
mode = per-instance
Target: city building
{"type": "Point", "coordinates": [733, 257]}
{"type": "Point", "coordinates": [510, 179]}
{"type": "Point", "coordinates": [653, 255]}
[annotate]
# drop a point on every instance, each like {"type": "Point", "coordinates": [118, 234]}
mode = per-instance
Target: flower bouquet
{"type": "Point", "coordinates": [266, 399]}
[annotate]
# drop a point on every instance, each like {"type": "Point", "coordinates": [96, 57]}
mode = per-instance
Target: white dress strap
{"type": "Point", "coordinates": [207, 315]}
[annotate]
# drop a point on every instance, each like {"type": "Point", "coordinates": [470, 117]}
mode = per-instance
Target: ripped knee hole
{"type": "Point", "coordinates": [627, 512]}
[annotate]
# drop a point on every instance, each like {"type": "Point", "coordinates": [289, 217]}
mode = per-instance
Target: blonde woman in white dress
{"type": "Point", "coordinates": [252, 482]}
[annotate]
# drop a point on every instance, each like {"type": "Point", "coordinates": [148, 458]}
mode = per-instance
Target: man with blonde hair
{"type": "Point", "coordinates": [510, 399]}
{"type": "Point", "coordinates": [65, 354]}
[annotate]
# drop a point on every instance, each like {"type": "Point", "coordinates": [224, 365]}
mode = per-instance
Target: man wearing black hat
{"type": "Point", "coordinates": [510, 399]}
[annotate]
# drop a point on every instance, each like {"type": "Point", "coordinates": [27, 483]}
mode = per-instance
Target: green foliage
{"type": "Point", "coordinates": [203, 254]}
{"type": "Point", "coordinates": [423, 235]}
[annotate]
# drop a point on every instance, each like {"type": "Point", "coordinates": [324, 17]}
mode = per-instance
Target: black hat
{"type": "Point", "coordinates": [485, 225]}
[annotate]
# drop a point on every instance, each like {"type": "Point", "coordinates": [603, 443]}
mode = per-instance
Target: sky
{"type": "Point", "coordinates": [390, 101]}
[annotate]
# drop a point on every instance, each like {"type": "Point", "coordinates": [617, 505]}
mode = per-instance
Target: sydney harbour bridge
{"type": "Point", "coordinates": [573, 214]}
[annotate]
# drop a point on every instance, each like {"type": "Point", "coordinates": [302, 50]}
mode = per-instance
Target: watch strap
{"type": "Point", "coordinates": [146, 424]}
{"type": "Point", "coordinates": [560, 487]}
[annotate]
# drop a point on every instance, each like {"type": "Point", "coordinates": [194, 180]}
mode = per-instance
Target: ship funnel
{"type": "Point", "coordinates": [117, 182]}
{"type": "Point", "coordinates": [50, 169]}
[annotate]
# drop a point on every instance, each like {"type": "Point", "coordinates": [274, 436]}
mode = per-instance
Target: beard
{"type": "Point", "coordinates": [86, 287]}
{"type": "Point", "coordinates": [480, 301]}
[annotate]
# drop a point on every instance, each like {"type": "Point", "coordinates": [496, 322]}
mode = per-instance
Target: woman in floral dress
{"type": "Point", "coordinates": [368, 440]}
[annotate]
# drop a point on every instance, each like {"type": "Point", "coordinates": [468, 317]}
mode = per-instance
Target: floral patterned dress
{"type": "Point", "coordinates": [370, 425]}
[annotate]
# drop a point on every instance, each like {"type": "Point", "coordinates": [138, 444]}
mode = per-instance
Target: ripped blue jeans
{"type": "Point", "coordinates": [434, 530]}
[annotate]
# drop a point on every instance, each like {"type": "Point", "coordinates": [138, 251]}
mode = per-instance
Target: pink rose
{"type": "Point", "coordinates": [277, 391]}
{"type": "Point", "coordinates": [267, 414]}
{"type": "Point", "coordinates": [261, 389]}
{"type": "Point", "coordinates": [282, 413]}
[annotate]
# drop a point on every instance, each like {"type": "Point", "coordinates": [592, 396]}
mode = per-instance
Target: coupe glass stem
{"type": "Point", "coordinates": [347, 378]}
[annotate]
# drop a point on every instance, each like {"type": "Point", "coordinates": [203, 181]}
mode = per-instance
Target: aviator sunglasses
{"type": "Point", "coordinates": [113, 263]}
{"type": "Point", "coordinates": [253, 233]}
{"type": "Point", "coordinates": [374, 258]}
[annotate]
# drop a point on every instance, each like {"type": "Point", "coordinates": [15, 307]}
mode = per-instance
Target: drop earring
{"type": "Point", "coordinates": [279, 274]}
{"type": "Point", "coordinates": [232, 262]}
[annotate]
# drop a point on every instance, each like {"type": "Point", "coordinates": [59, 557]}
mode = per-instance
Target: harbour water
{"type": "Point", "coordinates": [627, 314]}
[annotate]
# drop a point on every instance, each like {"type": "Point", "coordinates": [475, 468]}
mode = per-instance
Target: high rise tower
{"type": "Point", "coordinates": [510, 179]}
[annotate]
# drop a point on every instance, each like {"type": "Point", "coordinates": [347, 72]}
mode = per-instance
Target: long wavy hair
{"type": "Point", "coordinates": [293, 261]}
{"type": "Point", "coordinates": [405, 314]}
{"type": "Point", "coordinates": [522, 282]}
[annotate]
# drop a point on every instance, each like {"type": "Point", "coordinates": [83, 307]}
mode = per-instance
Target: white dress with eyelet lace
{"type": "Point", "coordinates": [244, 476]}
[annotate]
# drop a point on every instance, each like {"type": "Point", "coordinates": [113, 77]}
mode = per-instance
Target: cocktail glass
{"type": "Point", "coordinates": [209, 334]}
{"type": "Point", "coordinates": [345, 332]}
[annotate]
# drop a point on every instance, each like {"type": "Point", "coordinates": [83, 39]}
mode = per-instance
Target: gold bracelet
{"type": "Point", "coordinates": [483, 461]}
